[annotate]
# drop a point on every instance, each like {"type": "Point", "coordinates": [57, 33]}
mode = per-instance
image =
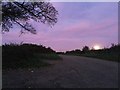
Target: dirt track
{"type": "Point", "coordinates": [71, 72]}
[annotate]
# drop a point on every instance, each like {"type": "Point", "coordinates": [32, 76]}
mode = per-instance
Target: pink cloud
{"type": "Point", "coordinates": [87, 27]}
{"type": "Point", "coordinates": [81, 25]}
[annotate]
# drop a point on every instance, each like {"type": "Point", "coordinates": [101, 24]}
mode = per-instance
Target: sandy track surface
{"type": "Point", "coordinates": [71, 72]}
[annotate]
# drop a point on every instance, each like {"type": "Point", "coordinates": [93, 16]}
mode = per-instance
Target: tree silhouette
{"type": "Point", "coordinates": [19, 12]}
{"type": "Point", "coordinates": [85, 49]}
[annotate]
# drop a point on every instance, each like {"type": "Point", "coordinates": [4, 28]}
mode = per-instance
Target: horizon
{"type": "Point", "coordinates": [79, 24]}
{"type": "Point", "coordinates": [62, 51]}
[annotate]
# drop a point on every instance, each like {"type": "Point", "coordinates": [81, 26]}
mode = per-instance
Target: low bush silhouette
{"type": "Point", "coordinates": [20, 55]}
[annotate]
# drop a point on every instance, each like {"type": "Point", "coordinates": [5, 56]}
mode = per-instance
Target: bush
{"type": "Point", "coordinates": [14, 55]}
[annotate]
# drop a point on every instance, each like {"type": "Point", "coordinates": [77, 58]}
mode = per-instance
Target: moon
{"type": "Point", "coordinates": [96, 47]}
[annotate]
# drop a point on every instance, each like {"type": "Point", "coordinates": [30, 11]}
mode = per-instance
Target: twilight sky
{"type": "Point", "coordinates": [79, 24]}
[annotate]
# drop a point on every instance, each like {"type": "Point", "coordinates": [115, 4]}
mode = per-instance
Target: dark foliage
{"type": "Point", "coordinates": [77, 51]}
{"type": "Point", "coordinates": [85, 49]}
{"type": "Point", "coordinates": [14, 55]}
{"type": "Point", "coordinates": [111, 53]}
{"type": "Point", "coordinates": [21, 12]}
{"type": "Point", "coordinates": [60, 52]}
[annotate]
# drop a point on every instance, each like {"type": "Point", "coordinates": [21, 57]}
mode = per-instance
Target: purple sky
{"type": "Point", "coordinates": [79, 24]}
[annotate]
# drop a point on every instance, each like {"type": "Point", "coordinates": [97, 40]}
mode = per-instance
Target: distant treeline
{"type": "Point", "coordinates": [111, 53]}
{"type": "Point", "coordinates": [85, 49]}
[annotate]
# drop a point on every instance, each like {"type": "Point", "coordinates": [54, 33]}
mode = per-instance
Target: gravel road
{"type": "Point", "coordinates": [71, 72]}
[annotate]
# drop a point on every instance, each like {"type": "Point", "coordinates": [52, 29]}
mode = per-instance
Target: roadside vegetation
{"type": "Point", "coordinates": [26, 56]}
{"type": "Point", "coordinates": [111, 54]}
{"type": "Point", "coordinates": [105, 54]}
